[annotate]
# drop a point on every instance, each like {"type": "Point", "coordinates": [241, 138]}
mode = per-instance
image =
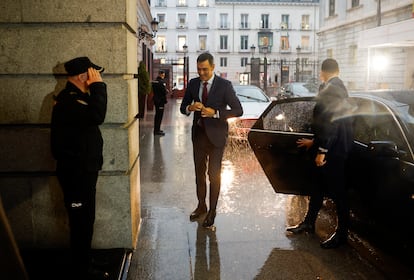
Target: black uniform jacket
{"type": "Point", "coordinates": [160, 92]}
{"type": "Point", "coordinates": [76, 140]}
{"type": "Point", "coordinates": [331, 123]}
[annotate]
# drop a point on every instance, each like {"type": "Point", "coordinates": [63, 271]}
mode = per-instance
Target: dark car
{"type": "Point", "coordinates": [299, 89]}
{"type": "Point", "coordinates": [379, 171]}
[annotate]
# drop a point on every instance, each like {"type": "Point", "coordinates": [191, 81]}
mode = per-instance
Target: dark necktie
{"type": "Point", "coordinates": [205, 94]}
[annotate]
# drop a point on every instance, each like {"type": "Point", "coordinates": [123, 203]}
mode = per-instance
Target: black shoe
{"type": "Point", "coordinates": [302, 227]}
{"type": "Point", "coordinates": [209, 221]}
{"type": "Point", "coordinates": [198, 212]}
{"type": "Point", "coordinates": [334, 241]}
{"type": "Point", "coordinates": [162, 133]}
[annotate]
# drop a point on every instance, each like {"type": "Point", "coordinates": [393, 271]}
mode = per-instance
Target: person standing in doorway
{"type": "Point", "coordinates": [213, 100]}
{"type": "Point", "coordinates": [332, 142]}
{"type": "Point", "coordinates": [77, 145]}
{"type": "Point", "coordinates": [159, 87]}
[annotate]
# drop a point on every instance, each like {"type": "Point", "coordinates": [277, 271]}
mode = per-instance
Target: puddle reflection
{"type": "Point", "coordinates": [158, 166]}
{"type": "Point", "coordinates": [207, 258]}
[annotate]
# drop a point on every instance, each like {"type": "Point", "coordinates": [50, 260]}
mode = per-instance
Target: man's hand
{"type": "Point", "coordinates": [207, 112]}
{"type": "Point", "coordinates": [320, 160]}
{"type": "Point", "coordinates": [93, 76]}
{"type": "Point", "coordinates": [196, 106]}
{"type": "Point", "coordinates": [304, 142]}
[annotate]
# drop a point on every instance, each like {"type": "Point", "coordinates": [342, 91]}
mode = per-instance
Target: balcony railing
{"type": "Point", "coordinates": [223, 25]}
{"type": "Point", "coordinates": [244, 25]}
{"type": "Point", "coordinates": [203, 25]}
{"type": "Point", "coordinates": [182, 25]}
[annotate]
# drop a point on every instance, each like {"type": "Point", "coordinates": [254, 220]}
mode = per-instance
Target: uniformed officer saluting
{"type": "Point", "coordinates": [77, 143]}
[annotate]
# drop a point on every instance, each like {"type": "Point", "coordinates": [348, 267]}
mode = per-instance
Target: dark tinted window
{"type": "Point", "coordinates": [374, 122]}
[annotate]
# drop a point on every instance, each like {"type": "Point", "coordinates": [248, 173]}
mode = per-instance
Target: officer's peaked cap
{"type": "Point", "coordinates": [80, 65]}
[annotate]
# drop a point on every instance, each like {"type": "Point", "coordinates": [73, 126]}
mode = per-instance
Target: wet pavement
{"type": "Point", "coordinates": [249, 239]}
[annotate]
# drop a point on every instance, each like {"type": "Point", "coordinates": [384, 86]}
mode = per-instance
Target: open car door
{"type": "Point", "coordinates": [273, 139]}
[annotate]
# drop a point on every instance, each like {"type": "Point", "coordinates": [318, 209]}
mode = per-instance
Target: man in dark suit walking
{"type": "Point", "coordinates": [213, 100]}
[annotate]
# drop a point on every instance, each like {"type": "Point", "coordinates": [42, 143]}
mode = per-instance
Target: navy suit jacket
{"type": "Point", "coordinates": [223, 99]}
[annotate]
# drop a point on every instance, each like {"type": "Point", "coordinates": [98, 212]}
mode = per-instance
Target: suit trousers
{"type": "Point", "coordinates": [330, 182]}
{"type": "Point", "coordinates": [79, 191]}
{"type": "Point", "coordinates": [207, 160]}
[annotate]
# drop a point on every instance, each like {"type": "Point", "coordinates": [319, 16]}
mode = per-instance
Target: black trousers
{"type": "Point", "coordinates": [207, 160]}
{"type": "Point", "coordinates": [330, 182]}
{"type": "Point", "coordinates": [79, 191]}
{"type": "Point", "coordinates": [159, 113]}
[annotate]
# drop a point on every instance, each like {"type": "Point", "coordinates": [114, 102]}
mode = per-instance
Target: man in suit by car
{"type": "Point", "coordinates": [213, 100]}
{"type": "Point", "coordinates": [332, 142]}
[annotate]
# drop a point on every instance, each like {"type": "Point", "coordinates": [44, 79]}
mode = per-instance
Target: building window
{"type": "Point", "coordinates": [305, 25]}
{"type": "Point", "coordinates": [284, 43]}
{"type": "Point", "coordinates": [182, 20]}
{"type": "Point", "coordinates": [202, 21]}
{"type": "Point", "coordinates": [329, 53]}
{"type": "Point", "coordinates": [161, 3]}
{"type": "Point", "coordinates": [305, 43]}
{"type": "Point", "coordinates": [161, 21]}
{"type": "Point", "coordinates": [161, 44]}
{"type": "Point", "coordinates": [353, 54]}
{"type": "Point", "coordinates": [224, 21]}
{"type": "Point", "coordinates": [223, 42]}
{"type": "Point", "coordinates": [265, 40]}
{"type": "Point", "coordinates": [264, 23]}
{"type": "Point", "coordinates": [202, 3]}
{"type": "Point", "coordinates": [355, 3]}
{"type": "Point", "coordinates": [244, 21]}
{"type": "Point", "coordinates": [181, 3]}
{"type": "Point", "coordinates": [331, 11]}
{"type": "Point", "coordinates": [285, 22]}
{"type": "Point", "coordinates": [244, 61]}
{"type": "Point", "coordinates": [202, 42]}
{"type": "Point", "coordinates": [182, 40]}
{"type": "Point", "coordinates": [244, 42]}
{"type": "Point", "coordinates": [223, 61]}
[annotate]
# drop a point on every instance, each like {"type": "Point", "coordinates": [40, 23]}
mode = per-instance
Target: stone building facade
{"type": "Point", "coordinates": [373, 41]}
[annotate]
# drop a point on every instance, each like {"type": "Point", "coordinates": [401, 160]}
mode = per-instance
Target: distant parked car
{"type": "Point", "coordinates": [379, 171]}
{"type": "Point", "coordinates": [254, 101]}
{"type": "Point", "coordinates": [298, 89]}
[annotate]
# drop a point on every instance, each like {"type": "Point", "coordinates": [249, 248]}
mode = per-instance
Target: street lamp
{"type": "Point", "coordinates": [265, 50]}
{"type": "Point", "coordinates": [185, 67]}
{"type": "Point", "coordinates": [254, 68]}
{"type": "Point", "coordinates": [298, 49]}
{"type": "Point", "coordinates": [252, 50]}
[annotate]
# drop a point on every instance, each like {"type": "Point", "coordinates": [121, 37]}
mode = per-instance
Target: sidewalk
{"type": "Point", "coordinates": [249, 241]}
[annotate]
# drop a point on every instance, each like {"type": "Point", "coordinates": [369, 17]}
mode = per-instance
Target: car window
{"type": "Point", "coordinates": [374, 122]}
{"type": "Point", "coordinates": [290, 116]}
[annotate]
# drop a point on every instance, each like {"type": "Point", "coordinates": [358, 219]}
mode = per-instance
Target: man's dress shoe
{"type": "Point", "coordinates": [302, 227]}
{"type": "Point", "coordinates": [334, 241]}
{"type": "Point", "coordinates": [209, 221]}
{"type": "Point", "coordinates": [198, 212]}
{"type": "Point", "coordinates": [161, 133]}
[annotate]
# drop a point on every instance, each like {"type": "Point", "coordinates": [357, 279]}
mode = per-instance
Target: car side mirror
{"type": "Point", "coordinates": [383, 149]}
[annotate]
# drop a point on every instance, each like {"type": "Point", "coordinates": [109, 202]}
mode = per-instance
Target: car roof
{"type": "Point", "coordinates": [396, 97]}
{"type": "Point", "coordinates": [397, 100]}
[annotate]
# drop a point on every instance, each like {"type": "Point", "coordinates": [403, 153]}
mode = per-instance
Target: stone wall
{"type": "Point", "coordinates": [36, 38]}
